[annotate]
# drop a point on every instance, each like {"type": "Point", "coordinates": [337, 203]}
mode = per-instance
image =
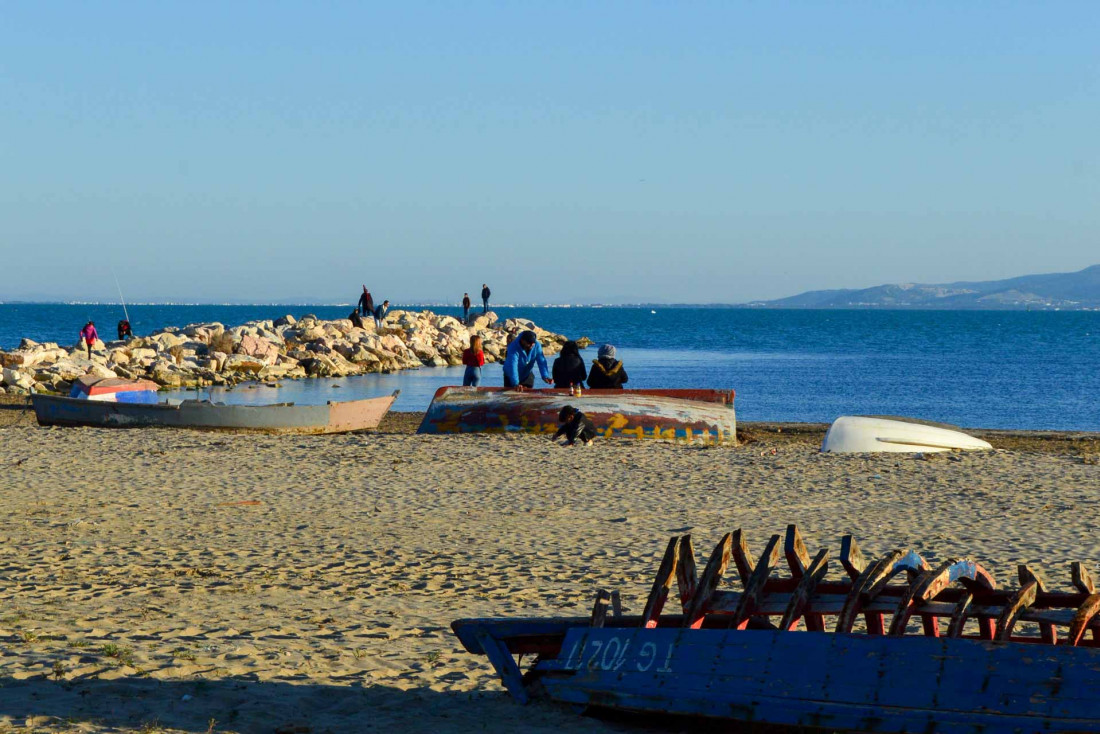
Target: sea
{"type": "Point", "coordinates": [981, 369]}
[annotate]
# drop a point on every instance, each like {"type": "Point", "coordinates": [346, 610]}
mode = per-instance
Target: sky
{"type": "Point", "coordinates": [563, 152]}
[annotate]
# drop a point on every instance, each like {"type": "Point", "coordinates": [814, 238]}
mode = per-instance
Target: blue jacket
{"type": "Point", "coordinates": [518, 364]}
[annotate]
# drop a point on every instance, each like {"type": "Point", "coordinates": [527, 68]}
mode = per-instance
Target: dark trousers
{"type": "Point", "coordinates": [465, 314]}
{"type": "Point", "coordinates": [485, 305]}
{"type": "Point", "coordinates": [528, 381]}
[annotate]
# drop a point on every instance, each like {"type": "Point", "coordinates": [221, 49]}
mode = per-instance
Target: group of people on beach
{"type": "Point", "coordinates": [524, 356]}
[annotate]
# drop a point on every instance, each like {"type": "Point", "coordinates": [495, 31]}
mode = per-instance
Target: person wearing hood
{"type": "Point", "coordinates": [523, 355]}
{"type": "Point", "coordinates": [569, 367]}
{"type": "Point", "coordinates": [607, 372]}
{"type": "Point", "coordinates": [366, 303]}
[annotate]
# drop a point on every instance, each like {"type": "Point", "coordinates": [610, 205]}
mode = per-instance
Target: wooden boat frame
{"type": "Point", "coordinates": [953, 657]}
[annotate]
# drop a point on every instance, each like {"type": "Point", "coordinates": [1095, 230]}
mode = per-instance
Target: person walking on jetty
{"type": "Point", "coordinates": [485, 293]}
{"type": "Point", "coordinates": [607, 373]}
{"type": "Point", "coordinates": [465, 308]}
{"type": "Point", "coordinates": [569, 367]}
{"type": "Point", "coordinates": [366, 303]}
{"type": "Point", "coordinates": [575, 426]}
{"type": "Point", "coordinates": [523, 355]}
{"type": "Point", "coordinates": [474, 359]}
{"type": "Point", "coordinates": [380, 314]}
{"type": "Point", "coordinates": [89, 335]}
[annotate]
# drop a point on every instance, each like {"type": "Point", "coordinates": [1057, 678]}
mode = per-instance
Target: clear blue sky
{"type": "Point", "coordinates": [563, 152]}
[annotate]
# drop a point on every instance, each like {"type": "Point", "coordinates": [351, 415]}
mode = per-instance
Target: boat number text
{"type": "Point", "coordinates": [614, 653]}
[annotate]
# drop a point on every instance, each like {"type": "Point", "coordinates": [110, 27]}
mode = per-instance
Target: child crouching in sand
{"type": "Point", "coordinates": [575, 426]}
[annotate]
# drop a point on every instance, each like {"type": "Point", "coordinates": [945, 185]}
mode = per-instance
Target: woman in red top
{"type": "Point", "coordinates": [474, 359]}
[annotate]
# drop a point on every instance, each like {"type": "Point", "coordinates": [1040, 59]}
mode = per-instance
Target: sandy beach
{"type": "Point", "coordinates": [155, 580]}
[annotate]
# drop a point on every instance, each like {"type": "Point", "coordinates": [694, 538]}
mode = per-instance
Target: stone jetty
{"type": "Point", "coordinates": [284, 348]}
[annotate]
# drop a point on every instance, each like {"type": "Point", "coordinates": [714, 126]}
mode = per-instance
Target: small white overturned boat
{"type": "Point", "coordinates": [864, 434]}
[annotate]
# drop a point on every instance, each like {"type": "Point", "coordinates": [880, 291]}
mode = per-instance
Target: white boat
{"type": "Point", "coordinates": [866, 434]}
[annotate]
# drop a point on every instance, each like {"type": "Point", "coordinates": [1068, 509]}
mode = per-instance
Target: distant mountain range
{"type": "Point", "coordinates": [1065, 291]}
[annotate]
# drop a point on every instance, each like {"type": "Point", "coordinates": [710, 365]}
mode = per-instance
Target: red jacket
{"type": "Point", "coordinates": [470, 358]}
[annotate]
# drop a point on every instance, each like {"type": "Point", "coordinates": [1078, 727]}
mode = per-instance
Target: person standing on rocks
{"type": "Point", "coordinates": [465, 308]}
{"type": "Point", "coordinates": [485, 293]}
{"type": "Point", "coordinates": [380, 314]}
{"type": "Point", "coordinates": [89, 335]}
{"type": "Point", "coordinates": [607, 372]}
{"type": "Point", "coordinates": [520, 360]}
{"type": "Point", "coordinates": [366, 303]}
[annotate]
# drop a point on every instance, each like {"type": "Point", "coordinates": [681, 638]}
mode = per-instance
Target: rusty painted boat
{"type": "Point", "coordinates": [895, 644]}
{"type": "Point", "coordinates": [693, 415]}
{"type": "Point", "coordinates": [356, 415]}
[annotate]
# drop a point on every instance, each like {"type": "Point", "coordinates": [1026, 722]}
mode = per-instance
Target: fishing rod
{"type": "Point", "coordinates": [120, 296]}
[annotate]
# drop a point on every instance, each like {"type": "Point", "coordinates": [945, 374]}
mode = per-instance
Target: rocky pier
{"type": "Point", "coordinates": [285, 348]}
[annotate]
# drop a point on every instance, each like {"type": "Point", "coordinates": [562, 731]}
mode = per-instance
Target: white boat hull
{"type": "Point", "coordinates": [858, 434]}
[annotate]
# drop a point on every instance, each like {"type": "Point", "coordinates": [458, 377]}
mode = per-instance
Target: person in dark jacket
{"type": "Point", "coordinates": [125, 333]}
{"type": "Point", "coordinates": [575, 426]}
{"type": "Point", "coordinates": [366, 303]}
{"type": "Point", "coordinates": [465, 308]}
{"type": "Point", "coordinates": [485, 293]}
{"type": "Point", "coordinates": [607, 373]}
{"type": "Point", "coordinates": [569, 367]}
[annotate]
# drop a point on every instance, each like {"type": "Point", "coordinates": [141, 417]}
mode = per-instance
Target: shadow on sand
{"type": "Point", "coordinates": [233, 704]}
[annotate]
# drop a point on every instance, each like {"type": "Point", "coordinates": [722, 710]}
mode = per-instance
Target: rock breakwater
{"type": "Point", "coordinates": [284, 348]}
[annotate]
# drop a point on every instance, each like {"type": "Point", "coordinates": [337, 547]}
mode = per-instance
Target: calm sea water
{"type": "Point", "coordinates": [1029, 370]}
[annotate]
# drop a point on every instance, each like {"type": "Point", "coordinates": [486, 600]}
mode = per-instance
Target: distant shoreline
{"type": "Point", "coordinates": [638, 306]}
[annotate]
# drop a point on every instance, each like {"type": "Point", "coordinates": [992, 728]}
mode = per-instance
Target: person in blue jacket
{"type": "Point", "coordinates": [523, 355]}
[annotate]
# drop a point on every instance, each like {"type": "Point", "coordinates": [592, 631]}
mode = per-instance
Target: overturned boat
{"type": "Point", "coordinates": [894, 644]}
{"type": "Point", "coordinates": [868, 434]}
{"type": "Point", "coordinates": [703, 415]}
{"type": "Point", "coordinates": [129, 406]}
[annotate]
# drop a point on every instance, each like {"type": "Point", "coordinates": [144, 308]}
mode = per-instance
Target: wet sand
{"type": "Point", "coordinates": [181, 581]}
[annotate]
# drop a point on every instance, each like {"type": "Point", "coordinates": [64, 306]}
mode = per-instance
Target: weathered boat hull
{"type": "Point", "coordinates": [356, 415]}
{"type": "Point", "coordinates": [1016, 660]}
{"type": "Point", "coordinates": [835, 681]}
{"type": "Point", "coordinates": [706, 415]}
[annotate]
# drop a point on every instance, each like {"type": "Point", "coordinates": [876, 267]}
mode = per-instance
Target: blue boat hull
{"type": "Point", "coordinates": [833, 681]}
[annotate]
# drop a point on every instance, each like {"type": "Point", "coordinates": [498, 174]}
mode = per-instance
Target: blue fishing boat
{"type": "Point", "coordinates": [893, 645]}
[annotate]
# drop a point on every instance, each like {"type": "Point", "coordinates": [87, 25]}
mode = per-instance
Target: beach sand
{"type": "Point", "coordinates": [155, 580]}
